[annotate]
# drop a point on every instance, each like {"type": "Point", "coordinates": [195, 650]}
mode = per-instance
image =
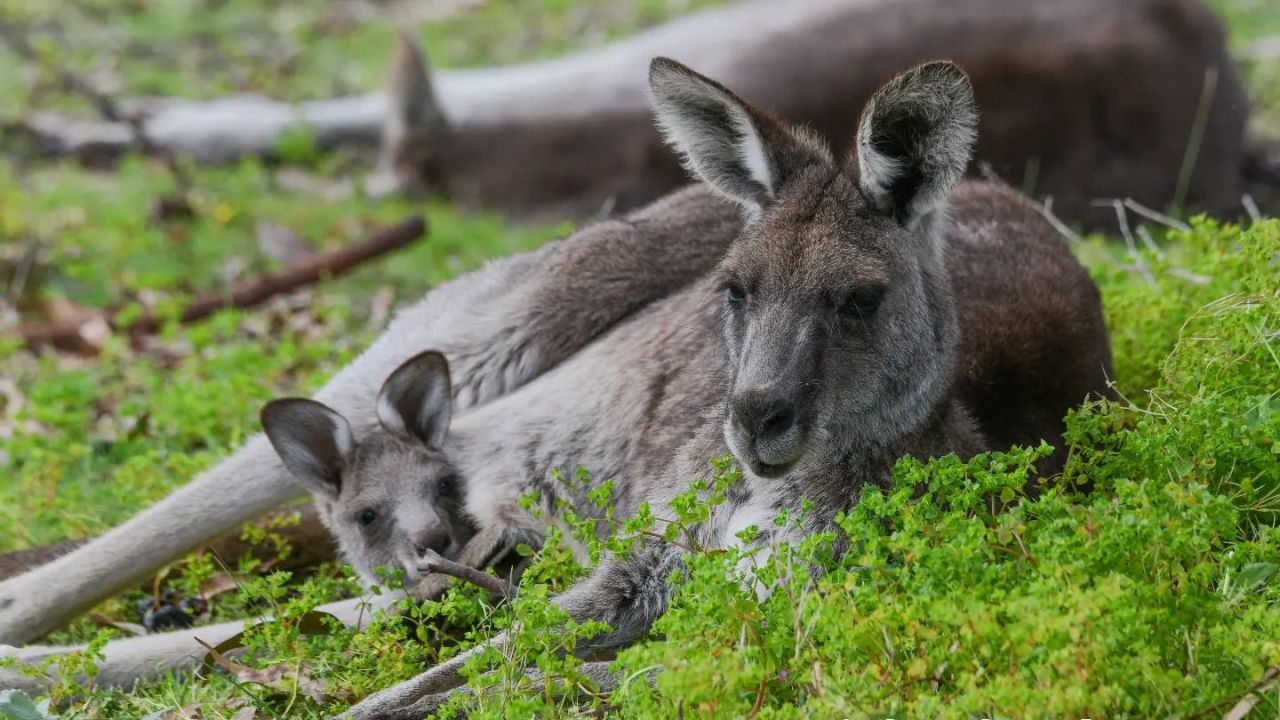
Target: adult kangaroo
{"type": "Point", "coordinates": [841, 336]}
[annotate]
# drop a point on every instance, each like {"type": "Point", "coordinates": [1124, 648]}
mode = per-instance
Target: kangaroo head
{"type": "Point", "coordinates": [838, 319]}
{"type": "Point", "coordinates": [392, 496]}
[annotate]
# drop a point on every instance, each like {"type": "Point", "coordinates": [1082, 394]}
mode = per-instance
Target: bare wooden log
{"type": "Point", "coordinates": [310, 545]}
{"type": "Point", "coordinates": [71, 336]}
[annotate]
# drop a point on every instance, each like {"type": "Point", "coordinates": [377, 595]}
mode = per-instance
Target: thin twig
{"type": "Point", "coordinates": [1149, 241]}
{"type": "Point", "coordinates": [1046, 209]}
{"type": "Point", "coordinates": [1189, 276]}
{"type": "Point", "coordinates": [67, 336]}
{"type": "Point", "coordinates": [1155, 216]}
{"type": "Point", "coordinates": [1123, 219]}
{"type": "Point", "coordinates": [433, 562]}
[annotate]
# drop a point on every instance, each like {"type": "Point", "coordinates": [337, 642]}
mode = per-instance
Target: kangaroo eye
{"type": "Point", "coordinates": [367, 518]}
{"type": "Point", "coordinates": [863, 304]}
{"type": "Point", "coordinates": [734, 293]}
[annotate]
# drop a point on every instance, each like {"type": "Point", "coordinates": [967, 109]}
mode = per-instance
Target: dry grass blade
{"type": "Point", "coordinates": [1269, 682]}
{"type": "Point", "coordinates": [1155, 216]}
{"type": "Point", "coordinates": [281, 677]}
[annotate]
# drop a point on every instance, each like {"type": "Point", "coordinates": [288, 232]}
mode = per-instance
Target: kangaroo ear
{"type": "Point", "coordinates": [740, 151]}
{"type": "Point", "coordinates": [915, 138]}
{"type": "Point", "coordinates": [313, 441]}
{"type": "Point", "coordinates": [414, 123]}
{"type": "Point", "coordinates": [417, 399]}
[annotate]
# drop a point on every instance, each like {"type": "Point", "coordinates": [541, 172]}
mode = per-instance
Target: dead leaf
{"type": "Point", "coordinates": [282, 244]}
{"type": "Point", "coordinates": [131, 628]}
{"type": "Point", "coordinates": [282, 677]}
{"type": "Point", "coordinates": [220, 583]}
{"type": "Point", "coordinates": [61, 311]}
{"type": "Point", "coordinates": [94, 333]}
{"type": "Point", "coordinates": [245, 713]}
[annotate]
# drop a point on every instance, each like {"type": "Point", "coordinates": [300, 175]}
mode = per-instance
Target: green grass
{"type": "Point", "coordinates": [1150, 597]}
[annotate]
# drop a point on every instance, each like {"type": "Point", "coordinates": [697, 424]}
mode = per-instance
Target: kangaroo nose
{"type": "Point", "coordinates": [767, 416]}
{"type": "Point", "coordinates": [436, 540]}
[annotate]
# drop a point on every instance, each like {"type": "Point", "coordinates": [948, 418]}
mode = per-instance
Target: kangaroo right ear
{"type": "Point", "coordinates": [915, 138]}
{"type": "Point", "coordinates": [313, 441]}
{"type": "Point", "coordinates": [740, 151]}
{"type": "Point", "coordinates": [417, 399]}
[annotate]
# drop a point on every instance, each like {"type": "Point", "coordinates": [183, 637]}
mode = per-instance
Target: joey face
{"type": "Point", "coordinates": [393, 497]}
{"type": "Point", "coordinates": [838, 321]}
{"type": "Point", "coordinates": [397, 501]}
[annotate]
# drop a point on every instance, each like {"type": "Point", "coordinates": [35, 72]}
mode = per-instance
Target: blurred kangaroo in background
{"type": "Point", "coordinates": [840, 323]}
{"type": "Point", "coordinates": [1082, 100]}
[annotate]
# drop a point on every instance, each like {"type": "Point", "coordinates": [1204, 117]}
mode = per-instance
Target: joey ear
{"type": "Point", "coordinates": [417, 399]}
{"type": "Point", "coordinates": [915, 138]}
{"type": "Point", "coordinates": [313, 441]}
{"type": "Point", "coordinates": [740, 151]}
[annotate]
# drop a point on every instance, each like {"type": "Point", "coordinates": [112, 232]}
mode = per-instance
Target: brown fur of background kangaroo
{"type": "Point", "coordinates": [1081, 100]}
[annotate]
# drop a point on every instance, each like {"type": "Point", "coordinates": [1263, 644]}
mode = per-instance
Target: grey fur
{"type": "Point", "coordinates": [835, 304]}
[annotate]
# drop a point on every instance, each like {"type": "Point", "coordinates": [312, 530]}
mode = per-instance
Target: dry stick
{"type": "Point", "coordinates": [433, 562]}
{"type": "Point", "coordinates": [1155, 215]}
{"type": "Point", "coordinates": [1046, 209]}
{"type": "Point", "coordinates": [1122, 218]}
{"type": "Point", "coordinates": [249, 294]}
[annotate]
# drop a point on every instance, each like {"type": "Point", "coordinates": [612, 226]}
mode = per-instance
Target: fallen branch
{"type": "Point", "coordinates": [433, 562]}
{"type": "Point", "coordinates": [71, 336]}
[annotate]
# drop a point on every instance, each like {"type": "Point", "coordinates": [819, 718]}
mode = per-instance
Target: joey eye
{"type": "Point", "coordinates": [367, 518]}
{"type": "Point", "coordinates": [863, 303]}
{"type": "Point", "coordinates": [447, 487]}
{"type": "Point", "coordinates": [734, 293]}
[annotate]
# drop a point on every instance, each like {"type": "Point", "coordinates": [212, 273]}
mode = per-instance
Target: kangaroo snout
{"type": "Point", "coordinates": [430, 539]}
{"type": "Point", "coordinates": [763, 423]}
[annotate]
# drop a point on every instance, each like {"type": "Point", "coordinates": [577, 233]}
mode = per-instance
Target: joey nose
{"type": "Point", "coordinates": [428, 540]}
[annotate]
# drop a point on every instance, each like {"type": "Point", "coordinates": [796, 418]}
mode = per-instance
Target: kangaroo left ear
{"type": "Point", "coordinates": [416, 401]}
{"type": "Point", "coordinates": [739, 150]}
{"type": "Point", "coordinates": [914, 140]}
